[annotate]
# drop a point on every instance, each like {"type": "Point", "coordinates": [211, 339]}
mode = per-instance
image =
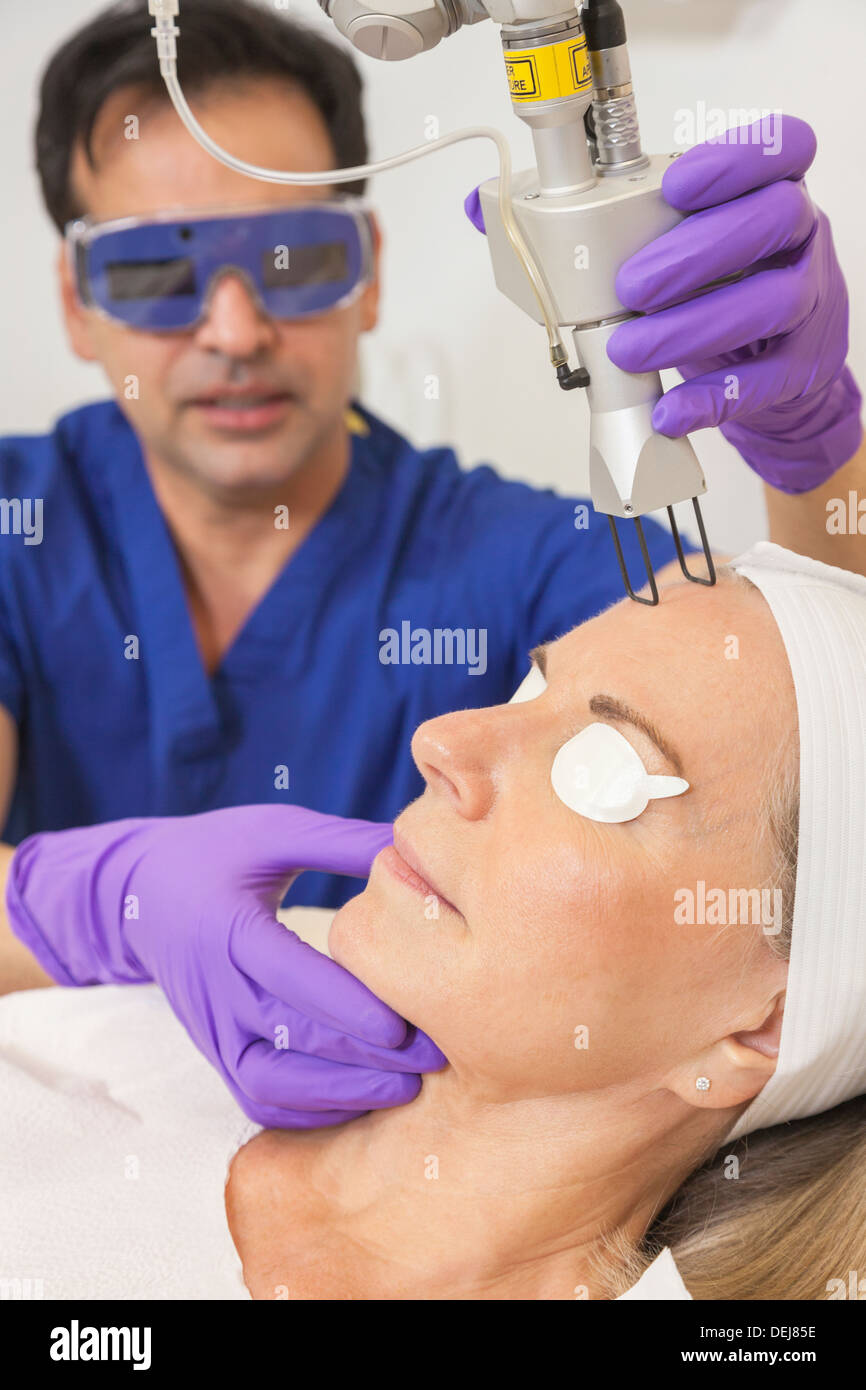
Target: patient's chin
{"type": "Point", "coordinates": [349, 936]}
{"type": "Point", "coordinates": [368, 937]}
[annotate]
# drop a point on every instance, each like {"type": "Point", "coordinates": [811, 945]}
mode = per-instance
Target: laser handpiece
{"type": "Point", "coordinates": [557, 234]}
{"type": "Point", "coordinates": [594, 200]}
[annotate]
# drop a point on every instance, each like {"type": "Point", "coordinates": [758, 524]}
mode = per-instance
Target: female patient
{"type": "Point", "coordinates": [602, 1038]}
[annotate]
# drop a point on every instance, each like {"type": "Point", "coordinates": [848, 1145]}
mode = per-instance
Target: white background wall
{"type": "Point", "coordinates": [441, 312]}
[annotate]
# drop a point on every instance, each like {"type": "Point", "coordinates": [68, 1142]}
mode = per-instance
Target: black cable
{"type": "Point", "coordinates": [604, 24]}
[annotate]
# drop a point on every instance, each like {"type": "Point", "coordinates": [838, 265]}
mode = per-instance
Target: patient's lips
{"type": "Point", "coordinates": [396, 864]}
{"type": "Point", "coordinates": [400, 861]}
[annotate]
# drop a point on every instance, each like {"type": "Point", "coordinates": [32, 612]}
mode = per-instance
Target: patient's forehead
{"type": "Point", "coordinates": [702, 655]}
{"type": "Point", "coordinates": [703, 617]}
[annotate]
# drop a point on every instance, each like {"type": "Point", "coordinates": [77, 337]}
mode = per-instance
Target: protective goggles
{"type": "Point", "coordinates": [156, 273]}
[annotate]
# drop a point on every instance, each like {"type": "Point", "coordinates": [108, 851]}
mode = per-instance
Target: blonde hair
{"type": "Point", "coordinates": [781, 1213]}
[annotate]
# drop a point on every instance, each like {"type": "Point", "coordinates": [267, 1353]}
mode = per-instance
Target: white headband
{"type": "Point", "coordinates": [821, 615]}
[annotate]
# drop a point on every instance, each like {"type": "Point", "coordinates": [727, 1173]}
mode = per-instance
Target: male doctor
{"type": "Point", "coordinates": [203, 642]}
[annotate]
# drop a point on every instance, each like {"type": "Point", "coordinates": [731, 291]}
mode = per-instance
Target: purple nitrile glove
{"type": "Point", "coordinates": [472, 208]}
{"type": "Point", "coordinates": [190, 902]}
{"type": "Point", "coordinates": [763, 358]}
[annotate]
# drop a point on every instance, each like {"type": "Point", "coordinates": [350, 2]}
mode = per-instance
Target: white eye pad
{"type": "Point", "coordinates": [531, 686]}
{"type": "Point", "coordinates": [599, 775]}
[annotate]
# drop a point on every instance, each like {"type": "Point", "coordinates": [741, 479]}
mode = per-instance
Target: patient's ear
{"type": "Point", "coordinates": [766, 1039]}
{"type": "Point", "coordinates": [737, 1067]}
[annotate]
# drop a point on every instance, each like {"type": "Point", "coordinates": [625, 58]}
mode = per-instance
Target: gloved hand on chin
{"type": "Point", "coordinates": [190, 902]}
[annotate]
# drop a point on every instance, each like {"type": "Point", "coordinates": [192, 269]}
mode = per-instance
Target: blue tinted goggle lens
{"type": "Point", "coordinates": [156, 275]}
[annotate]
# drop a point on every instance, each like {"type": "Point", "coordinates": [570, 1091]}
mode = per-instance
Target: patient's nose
{"type": "Point", "coordinates": [456, 755]}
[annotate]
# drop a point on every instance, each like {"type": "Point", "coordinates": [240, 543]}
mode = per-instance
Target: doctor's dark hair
{"type": "Point", "coordinates": [221, 41]}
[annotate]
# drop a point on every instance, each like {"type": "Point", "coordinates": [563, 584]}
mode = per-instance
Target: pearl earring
{"type": "Point", "coordinates": [703, 1083]}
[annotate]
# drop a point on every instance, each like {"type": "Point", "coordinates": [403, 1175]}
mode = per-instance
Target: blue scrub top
{"type": "Point", "coordinates": [100, 668]}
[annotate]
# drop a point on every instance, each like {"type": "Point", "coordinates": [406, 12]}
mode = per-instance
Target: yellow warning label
{"type": "Point", "coordinates": [556, 70]}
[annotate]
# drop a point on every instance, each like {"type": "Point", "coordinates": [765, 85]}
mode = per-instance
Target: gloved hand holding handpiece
{"type": "Point", "coordinates": [190, 902]}
{"type": "Point", "coordinates": [763, 358]}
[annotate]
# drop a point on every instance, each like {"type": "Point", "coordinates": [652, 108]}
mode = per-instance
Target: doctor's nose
{"type": "Point", "coordinates": [234, 323]}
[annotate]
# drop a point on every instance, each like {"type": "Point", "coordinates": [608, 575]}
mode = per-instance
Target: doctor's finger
{"type": "Point", "coordinates": [282, 1117]}
{"type": "Point", "coordinates": [716, 243]}
{"type": "Point", "coordinates": [764, 305]}
{"type": "Point", "coordinates": [730, 393]}
{"type": "Point", "coordinates": [288, 968]}
{"type": "Point", "coordinates": [778, 147]}
{"type": "Point", "coordinates": [272, 1076]}
{"type": "Point", "coordinates": [273, 1019]}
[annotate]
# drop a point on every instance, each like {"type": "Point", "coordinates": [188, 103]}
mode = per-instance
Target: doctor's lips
{"type": "Point", "coordinates": [400, 860]}
{"type": "Point", "coordinates": [249, 407]}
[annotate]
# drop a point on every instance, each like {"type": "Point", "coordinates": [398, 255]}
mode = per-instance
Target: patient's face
{"type": "Point", "coordinates": [557, 922]}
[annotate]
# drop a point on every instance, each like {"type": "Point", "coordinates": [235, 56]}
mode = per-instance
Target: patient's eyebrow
{"type": "Point", "coordinates": [538, 657]}
{"type": "Point", "coordinates": [609, 707]}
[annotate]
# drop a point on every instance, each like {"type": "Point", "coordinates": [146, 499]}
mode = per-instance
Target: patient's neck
{"type": "Point", "coordinates": [454, 1196]}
